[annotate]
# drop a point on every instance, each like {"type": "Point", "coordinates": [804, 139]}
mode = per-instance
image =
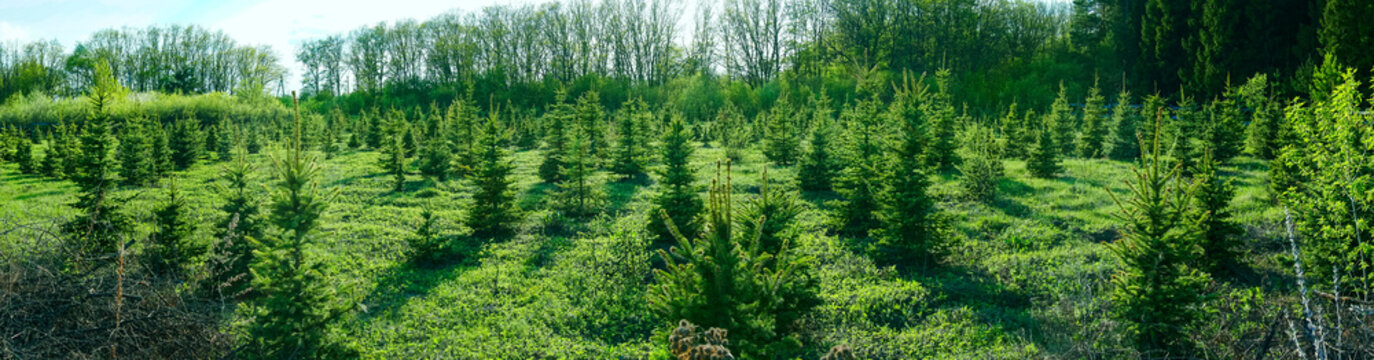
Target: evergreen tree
{"type": "Point", "coordinates": [239, 228]}
{"type": "Point", "coordinates": [358, 133]}
{"type": "Point", "coordinates": [408, 138]}
{"type": "Point", "coordinates": [782, 140]}
{"type": "Point", "coordinates": [1265, 123]}
{"type": "Point", "coordinates": [732, 132]}
{"type": "Point", "coordinates": [909, 232]}
{"type": "Point", "coordinates": [677, 196]}
{"type": "Point", "coordinates": [329, 143]}
{"type": "Point", "coordinates": [631, 152]}
{"type": "Point", "coordinates": [942, 154]}
{"type": "Point", "coordinates": [71, 149]}
{"type": "Point", "coordinates": [493, 213]}
{"type": "Point", "coordinates": [171, 248]}
{"type": "Point", "coordinates": [778, 209]}
{"type": "Point", "coordinates": [860, 183]}
{"type": "Point", "coordinates": [557, 123]}
{"type": "Point", "coordinates": [436, 158]}
{"type": "Point", "coordinates": [24, 156]}
{"type": "Point", "coordinates": [297, 301]}
{"type": "Point", "coordinates": [162, 150]}
{"type": "Point", "coordinates": [590, 123]}
{"type": "Point", "coordinates": [1183, 127]}
{"type": "Point", "coordinates": [224, 148]}
{"type": "Point", "coordinates": [212, 139]}
{"type": "Point", "coordinates": [1094, 130]}
{"type": "Point", "coordinates": [760, 297]}
{"type": "Point", "coordinates": [394, 154]}
{"type": "Point", "coordinates": [1125, 143]}
{"type": "Point", "coordinates": [426, 246]}
{"type": "Point", "coordinates": [1030, 132]}
{"type": "Point", "coordinates": [1211, 202]}
{"type": "Point", "coordinates": [982, 167]}
{"type": "Point", "coordinates": [1152, 108]}
{"type": "Point", "coordinates": [375, 134]}
{"type": "Point", "coordinates": [578, 194]}
{"type": "Point", "coordinates": [1061, 124]}
{"type": "Point", "coordinates": [1225, 130]}
{"type": "Point", "coordinates": [1013, 132]}
{"type": "Point", "coordinates": [1044, 158]}
{"type": "Point", "coordinates": [99, 223]}
{"type": "Point", "coordinates": [136, 159]}
{"type": "Point", "coordinates": [817, 170]}
{"type": "Point", "coordinates": [254, 143]}
{"type": "Point", "coordinates": [52, 159]}
{"type": "Point", "coordinates": [462, 116]}
{"type": "Point", "coordinates": [1158, 295]}
{"type": "Point", "coordinates": [187, 143]}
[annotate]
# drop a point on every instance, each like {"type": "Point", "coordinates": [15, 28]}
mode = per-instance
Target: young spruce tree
{"type": "Point", "coordinates": [942, 153]}
{"type": "Point", "coordinates": [861, 181]}
{"type": "Point", "coordinates": [136, 152]}
{"type": "Point", "coordinates": [909, 235]}
{"type": "Point", "coordinates": [677, 196]}
{"type": "Point", "coordinates": [557, 124]}
{"type": "Point", "coordinates": [817, 169]}
{"type": "Point", "coordinates": [1044, 158]}
{"type": "Point", "coordinates": [1157, 293]}
{"type": "Point", "coordinates": [171, 248]}
{"type": "Point", "coordinates": [782, 139]}
{"type": "Point", "coordinates": [1124, 144]}
{"type": "Point", "coordinates": [1094, 127]}
{"type": "Point", "coordinates": [99, 223]}
{"type": "Point", "coordinates": [297, 301]}
{"type": "Point", "coordinates": [631, 154]}
{"type": "Point", "coordinates": [492, 214]}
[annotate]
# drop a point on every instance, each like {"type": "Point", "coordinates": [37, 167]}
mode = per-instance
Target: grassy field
{"type": "Point", "coordinates": [1029, 278]}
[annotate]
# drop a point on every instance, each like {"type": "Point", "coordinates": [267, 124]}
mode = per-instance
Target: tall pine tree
{"type": "Point", "coordinates": [99, 223]}
{"type": "Point", "coordinates": [909, 232]}
{"type": "Point", "coordinates": [943, 152]}
{"type": "Point", "coordinates": [492, 214]}
{"type": "Point", "coordinates": [677, 196]}
{"type": "Point", "coordinates": [860, 183]}
{"type": "Point", "coordinates": [591, 123]}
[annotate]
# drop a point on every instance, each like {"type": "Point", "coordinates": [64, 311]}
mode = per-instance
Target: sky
{"type": "Point", "coordinates": [279, 24]}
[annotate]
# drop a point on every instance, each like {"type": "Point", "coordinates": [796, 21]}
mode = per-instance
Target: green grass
{"type": "Point", "coordinates": [1029, 278]}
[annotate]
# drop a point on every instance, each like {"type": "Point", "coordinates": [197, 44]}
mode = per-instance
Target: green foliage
{"type": "Point", "coordinates": [782, 141]}
{"type": "Point", "coordinates": [779, 209]}
{"type": "Point", "coordinates": [239, 228]}
{"type": "Point", "coordinates": [1061, 123]}
{"type": "Point", "coordinates": [590, 119]}
{"type": "Point", "coordinates": [426, 246]}
{"type": "Point", "coordinates": [171, 247]}
{"type": "Point", "coordinates": [943, 152]}
{"type": "Point", "coordinates": [731, 131]}
{"type": "Point", "coordinates": [1263, 134]}
{"type": "Point", "coordinates": [1183, 127]}
{"type": "Point", "coordinates": [1224, 131]}
{"type": "Point", "coordinates": [1324, 176]}
{"type": "Point", "coordinates": [1158, 294]}
{"type": "Point", "coordinates": [1124, 144]}
{"type": "Point", "coordinates": [136, 158]}
{"type": "Point", "coordinates": [375, 134]}
{"type": "Point", "coordinates": [1094, 127]}
{"type": "Point", "coordinates": [492, 214]}
{"type": "Point", "coordinates": [580, 195]}
{"type": "Point", "coordinates": [162, 149]}
{"type": "Point", "coordinates": [1015, 132]}
{"type": "Point", "coordinates": [436, 157]}
{"type": "Point", "coordinates": [394, 160]}
{"type": "Point", "coordinates": [557, 123]}
{"type": "Point", "coordinates": [982, 167]}
{"type": "Point", "coordinates": [910, 233]}
{"type": "Point", "coordinates": [817, 169]}
{"type": "Point", "coordinates": [1044, 158]}
{"type": "Point", "coordinates": [859, 183]}
{"type": "Point", "coordinates": [24, 156]}
{"type": "Point", "coordinates": [632, 129]}
{"type": "Point", "coordinates": [466, 129]}
{"type": "Point", "coordinates": [187, 142]}
{"type": "Point", "coordinates": [760, 298]}
{"type": "Point", "coordinates": [297, 300]}
{"type": "Point", "coordinates": [677, 196]}
{"type": "Point", "coordinates": [1220, 233]}
{"type": "Point", "coordinates": [100, 224]}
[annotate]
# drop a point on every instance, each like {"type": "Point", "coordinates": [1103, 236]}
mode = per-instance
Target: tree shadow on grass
{"type": "Point", "coordinates": [405, 280]}
{"type": "Point", "coordinates": [960, 286]}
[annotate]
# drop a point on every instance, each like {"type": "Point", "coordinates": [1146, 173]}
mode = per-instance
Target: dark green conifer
{"type": "Point", "coordinates": [492, 214]}
{"type": "Point", "coordinates": [591, 123]}
{"type": "Point", "coordinates": [1094, 125]}
{"type": "Point", "coordinates": [1044, 158]}
{"type": "Point", "coordinates": [1124, 144]}
{"type": "Point", "coordinates": [136, 159]}
{"type": "Point", "coordinates": [909, 233]}
{"type": "Point", "coordinates": [631, 153]}
{"type": "Point", "coordinates": [579, 195]}
{"type": "Point", "coordinates": [817, 170]}
{"type": "Point", "coordinates": [1062, 123]}
{"type": "Point", "coordinates": [677, 196]}
{"type": "Point", "coordinates": [24, 156]}
{"type": "Point", "coordinates": [394, 159]}
{"type": "Point", "coordinates": [557, 123]}
{"type": "Point", "coordinates": [861, 181]}
{"type": "Point", "coordinates": [942, 154]}
{"type": "Point", "coordinates": [782, 140]}
{"type": "Point", "coordinates": [170, 248]}
{"type": "Point", "coordinates": [188, 145]}
{"type": "Point", "coordinates": [99, 224]}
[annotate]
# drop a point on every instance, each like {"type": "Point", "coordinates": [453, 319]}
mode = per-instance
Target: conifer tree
{"type": "Point", "coordinates": [1263, 134]}
{"type": "Point", "coordinates": [1124, 144]}
{"type": "Point", "coordinates": [557, 125]}
{"type": "Point", "coordinates": [297, 302]}
{"type": "Point", "coordinates": [254, 142]}
{"type": "Point", "coordinates": [942, 154]}
{"type": "Point", "coordinates": [24, 156]}
{"type": "Point", "coordinates": [631, 154]}
{"type": "Point", "coordinates": [188, 145]}
{"type": "Point", "coordinates": [782, 140]}
{"type": "Point", "coordinates": [240, 226]}
{"type": "Point", "coordinates": [329, 143]}
{"type": "Point", "coordinates": [1183, 128]}
{"type": "Point", "coordinates": [817, 169]}
{"type": "Point", "coordinates": [394, 154]}
{"type": "Point", "coordinates": [408, 138]}
{"type": "Point", "coordinates": [426, 247]}
{"type": "Point", "coordinates": [1211, 202]}
{"type": "Point", "coordinates": [359, 131]}
{"type": "Point", "coordinates": [1060, 120]}
{"type": "Point", "coordinates": [171, 248]}
{"type": "Point", "coordinates": [909, 232]}
{"type": "Point", "coordinates": [1044, 158]}
{"type": "Point", "coordinates": [71, 150]}
{"type": "Point", "coordinates": [860, 183]}
{"type": "Point", "coordinates": [437, 158]}
{"type": "Point", "coordinates": [492, 214]}
{"type": "Point", "coordinates": [677, 194]}
{"type": "Point", "coordinates": [759, 297]}
{"type": "Point", "coordinates": [99, 223]}
{"type": "Point", "coordinates": [591, 124]}
{"type": "Point", "coordinates": [732, 133]}
{"type": "Point", "coordinates": [136, 153]}
{"type": "Point", "coordinates": [1153, 106]}
{"type": "Point", "coordinates": [1094, 130]}
{"type": "Point", "coordinates": [162, 149]}
{"type": "Point", "coordinates": [462, 116]}
{"type": "Point", "coordinates": [1158, 294]}
{"type": "Point", "coordinates": [982, 167]}
{"type": "Point", "coordinates": [375, 133]}
{"type": "Point", "coordinates": [212, 139]}
{"type": "Point", "coordinates": [778, 209]}
{"type": "Point", "coordinates": [1013, 132]}
{"type": "Point", "coordinates": [578, 194]}
{"type": "Point", "coordinates": [52, 159]}
{"type": "Point", "coordinates": [1224, 130]}
{"type": "Point", "coordinates": [1029, 134]}
{"type": "Point", "coordinates": [224, 149]}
